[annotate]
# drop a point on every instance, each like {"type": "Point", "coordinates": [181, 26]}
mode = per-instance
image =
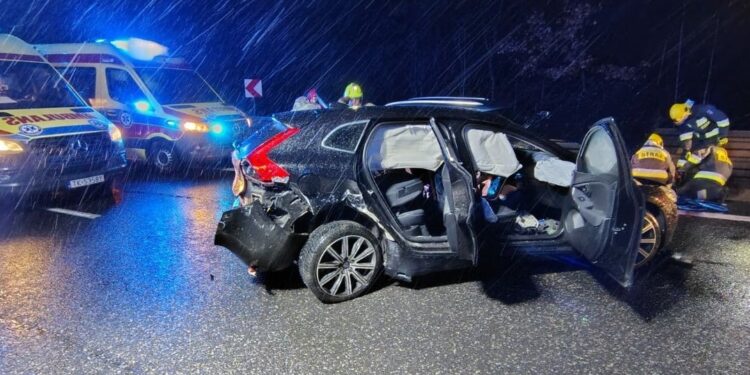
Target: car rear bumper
{"type": "Point", "coordinates": [255, 238]}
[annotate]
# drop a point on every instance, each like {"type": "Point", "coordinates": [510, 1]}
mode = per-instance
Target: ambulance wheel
{"type": "Point", "coordinates": [162, 156]}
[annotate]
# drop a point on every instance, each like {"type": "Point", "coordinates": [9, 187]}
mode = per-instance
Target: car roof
{"type": "Point", "coordinates": [335, 117]}
{"type": "Point", "coordinates": [391, 113]}
{"type": "Point", "coordinates": [464, 102]}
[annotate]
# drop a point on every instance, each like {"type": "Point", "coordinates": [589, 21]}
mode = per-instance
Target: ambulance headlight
{"type": "Point", "coordinates": [196, 127]}
{"type": "Point", "coordinates": [115, 134]}
{"type": "Point", "coordinates": [9, 147]}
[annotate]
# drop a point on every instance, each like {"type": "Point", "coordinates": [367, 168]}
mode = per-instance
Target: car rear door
{"type": "Point", "coordinates": [604, 218]}
{"type": "Point", "coordinates": [458, 201]}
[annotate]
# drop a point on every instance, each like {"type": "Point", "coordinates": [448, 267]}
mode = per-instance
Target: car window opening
{"type": "Point", "coordinates": [405, 162]}
{"type": "Point", "coordinates": [522, 188]}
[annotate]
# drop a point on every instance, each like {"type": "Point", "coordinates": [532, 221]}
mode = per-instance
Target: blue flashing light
{"type": "Point", "coordinates": [100, 41]}
{"type": "Point", "coordinates": [217, 128]}
{"type": "Point", "coordinates": [172, 123]}
{"type": "Point", "coordinates": [142, 106]}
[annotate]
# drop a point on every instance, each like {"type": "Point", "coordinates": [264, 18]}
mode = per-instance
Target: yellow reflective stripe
{"type": "Point", "coordinates": [681, 163]}
{"type": "Point", "coordinates": [656, 154]}
{"type": "Point", "coordinates": [713, 176]}
{"type": "Point", "coordinates": [723, 123]}
{"type": "Point", "coordinates": [712, 133]}
{"type": "Point", "coordinates": [702, 122]}
{"type": "Point", "coordinates": [693, 158]}
{"type": "Point", "coordinates": [651, 174]}
{"type": "Point", "coordinates": [686, 136]}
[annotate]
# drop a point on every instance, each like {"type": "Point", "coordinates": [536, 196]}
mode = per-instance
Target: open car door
{"type": "Point", "coordinates": [458, 201]}
{"type": "Point", "coordinates": [604, 221]}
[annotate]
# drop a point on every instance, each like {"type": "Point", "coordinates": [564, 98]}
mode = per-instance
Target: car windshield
{"type": "Point", "coordinates": [26, 85]}
{"type": "Point", "coordinates": [177, 86]}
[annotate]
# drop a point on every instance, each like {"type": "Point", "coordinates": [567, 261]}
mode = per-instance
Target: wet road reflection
{"type": "Point", "coordinates": [142, 288]}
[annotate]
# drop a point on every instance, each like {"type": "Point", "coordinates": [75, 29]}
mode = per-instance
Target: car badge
{"type": "Point", "coordinates": [28, 129]}
{"type": "Point", "coordinates": [126, 119]}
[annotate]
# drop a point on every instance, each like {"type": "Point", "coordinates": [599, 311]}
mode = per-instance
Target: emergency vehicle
{"type": "Point", "coordinates": [49, 138]}
{"type": "Point", "coordinates": [168, 113]}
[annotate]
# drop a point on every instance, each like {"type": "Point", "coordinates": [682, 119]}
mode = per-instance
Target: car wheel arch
{"type": "Point", "coordinates": [341, 212]}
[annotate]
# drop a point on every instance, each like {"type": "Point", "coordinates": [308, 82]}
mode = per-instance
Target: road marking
{"type": "Point", "coordinates": [65, 211]}
{"type": "Point", "coordinates": [714, 215]}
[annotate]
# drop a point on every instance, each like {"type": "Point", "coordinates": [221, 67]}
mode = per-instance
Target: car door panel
{"type": "Point", "coordinates": [459, 201]}
{"type": "Point", "coordinates": [603, 218]}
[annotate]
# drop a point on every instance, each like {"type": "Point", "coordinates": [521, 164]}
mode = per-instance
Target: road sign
{"type": "Point", "coordinates": [253, 88]}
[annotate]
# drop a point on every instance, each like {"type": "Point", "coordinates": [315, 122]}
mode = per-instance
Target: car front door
{"type": "Point", "coordinates": [457, 200]}
{"type": "Point", "coordinates": [604, 219]}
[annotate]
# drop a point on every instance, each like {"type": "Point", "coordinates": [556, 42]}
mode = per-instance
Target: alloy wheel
{"type": "Point", "coordinates": [346, 266]}
{"type": "Point", "coordinates": [650, 240]}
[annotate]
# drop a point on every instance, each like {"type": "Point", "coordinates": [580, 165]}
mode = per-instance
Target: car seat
{"type": "Point", "coordinates": [399, 197]}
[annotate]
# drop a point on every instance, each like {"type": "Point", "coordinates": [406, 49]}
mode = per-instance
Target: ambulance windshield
{"type": "Point", "coordinates": [25, 85]}
{"type": "Point", "coordinates": [177, 86]}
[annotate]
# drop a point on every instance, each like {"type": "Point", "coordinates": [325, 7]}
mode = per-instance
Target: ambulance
{"type": "Point", "coordinates": [50, 140]}
{"type": "Point", "coordinates": [169, 115]}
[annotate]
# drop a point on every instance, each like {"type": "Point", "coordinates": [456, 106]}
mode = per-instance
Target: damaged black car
{"type": "Point", "coordinates": [409, 189]}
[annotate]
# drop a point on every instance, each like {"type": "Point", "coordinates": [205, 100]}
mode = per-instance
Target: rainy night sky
{"type": "Point", "coordinates": [581, 60]}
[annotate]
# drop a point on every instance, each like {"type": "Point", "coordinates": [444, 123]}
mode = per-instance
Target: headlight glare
{"type": "Point", "coordinates": [115, 134]}
{"type": "Point", "coordinates": [10, 147]}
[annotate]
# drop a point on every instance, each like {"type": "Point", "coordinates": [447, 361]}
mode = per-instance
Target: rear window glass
{"type": "Point", "coordinates": [83, 80]}
{"type": "Point", "coordinates": [122, 87]}
{"type": "Point", "coordinates": [345, 137]}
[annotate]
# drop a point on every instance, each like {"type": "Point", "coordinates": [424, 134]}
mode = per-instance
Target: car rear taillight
{"type": "Point", "coordinates": [265, 169]}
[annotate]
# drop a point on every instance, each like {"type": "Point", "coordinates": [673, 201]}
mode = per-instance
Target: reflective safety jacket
{"type": "Point", "coordinates": [716, 166]}
{"type": "Point", "coordinates": [706, 126]}
{"type": "Point", "coordinates": [653, 163]}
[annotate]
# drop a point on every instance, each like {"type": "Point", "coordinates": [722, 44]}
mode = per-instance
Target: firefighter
{"type": "Point", "coordinates": [308, 101]}
{"type": "Point", "coordinates": [653, 163]}
{"type": "Point", "coordinates": [352, 96]}
{"type": "Point", "coordinates": [699, 126]}
{"type": "Point", "coordinates": [714, 169]}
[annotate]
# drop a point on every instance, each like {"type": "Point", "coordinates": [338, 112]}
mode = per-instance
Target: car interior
{"type": "Point", "coordinates": [405, 161]}
{"type": "Point", "coordinates": [523, 188]}
{"type": "Point", "coordinates": [528, 186]}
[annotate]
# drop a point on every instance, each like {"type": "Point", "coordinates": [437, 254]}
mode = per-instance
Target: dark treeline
{"type": "Point", "coordinates": [581, 60]}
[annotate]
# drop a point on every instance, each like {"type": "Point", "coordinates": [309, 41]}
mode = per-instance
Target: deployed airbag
{"type": "Point", "coordinates": [554, 171]}
{"type": "Point", "coordinates": [492, 152]}
{"type": "Point", "coordinates": [404, 146]}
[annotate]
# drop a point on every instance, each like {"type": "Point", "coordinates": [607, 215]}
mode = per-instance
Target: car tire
{"type": "Point", "coordinates": [163, 157]}
{"type": "Point", "coordinates": [652, 235]}
{"type": "Point", "coordinates": [340, 261]}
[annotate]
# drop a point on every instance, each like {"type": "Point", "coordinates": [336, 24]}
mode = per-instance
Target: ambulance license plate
{"type": "Point", "coordinates": [72, 184]}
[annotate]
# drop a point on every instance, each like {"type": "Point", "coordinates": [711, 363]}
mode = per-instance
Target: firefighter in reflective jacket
{"type": "Point", "coordinates": [653, 163]}
{"type": "Point", "coordinates": [714, 169]}
{"type": "Point", "coordinates": [699, 126]}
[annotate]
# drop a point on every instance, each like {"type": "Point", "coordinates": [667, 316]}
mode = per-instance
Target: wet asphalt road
{"type": "Point", "coordinates": [142, 289]}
